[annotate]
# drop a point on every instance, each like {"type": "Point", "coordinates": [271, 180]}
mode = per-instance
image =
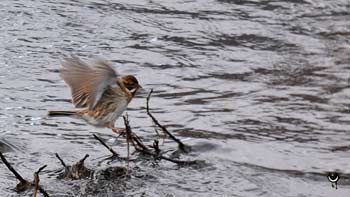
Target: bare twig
{"type": "Point", "coordinates": [181, 145]}
{"type": "Point", "coordinates": [8, 165]}
{"type": "Point", "coordinates": [62, 162]}
{"type": "Point", "coordinates": [105, 145]}
{"type": "Point", "coordinates": [83, 159]}
{"type": "Point", "coordinates": [43, 191]}
{"type": "Point", "coordinates": [159, 156]}
{"type": "Point", "coordinates": [128, 138]}
{"type": "Point", "coordinates": [41, 169]}
{"type": "Point", "coordinates": [139, 146]}
{"type": "Point", "coordinates": [155, 146]}
{"type": "Point", "coordinates": [135, 140]}
{"type": "Point", "coordinates": [76, 170]}
{"type": "Point", "coordinates": [36, 180]}
{"type": "Point", "coordinates": [36, 185]}
{"type": "Point", "coordinates": [24, 184]}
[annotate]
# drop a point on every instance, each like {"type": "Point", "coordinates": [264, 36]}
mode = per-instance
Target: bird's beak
{"type": "Point", "coordinates": [141, 92]}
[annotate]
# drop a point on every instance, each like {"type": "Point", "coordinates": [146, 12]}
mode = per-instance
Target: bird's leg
{"type": "Point", "coordinates": [120, 131]}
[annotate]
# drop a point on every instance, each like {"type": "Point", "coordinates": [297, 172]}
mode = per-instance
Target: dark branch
{"type": "Point", "coordinates": [139, 146]}
{"type": "Point", "coordinates": [105, 145]}
{"type": "Point", "coordinates": [135, 140]}
{"type": "Point", "coordinates": [181, 145]}
{"type": "Point", "coordinates": [24, 184]}
{"type": "Point", "coordinates": [128, 137]}
{"type": "Point", "coordinates": [155, 146]}
{"type": "Point", "coordinates": [8, 165]}
{"type": "Point", "coordinates": [43, 191]}
{"type": "Point", "coordinates": [41, 169]}
{"type": "Point", "coordinates": [62, 162]}
{"type": "Point", "coordinates": [83, 159]}
{"type": "Point", "coordinates": [179, 162]}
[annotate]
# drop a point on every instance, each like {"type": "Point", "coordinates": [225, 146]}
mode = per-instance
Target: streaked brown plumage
{"type": "Point", "coordinates": [97, 88]}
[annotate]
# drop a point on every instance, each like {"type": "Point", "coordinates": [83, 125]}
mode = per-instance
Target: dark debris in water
{"type": "Point", "coordinates": [76, 171]}
{"type": "Point", "coordinates": [110, 180]}
{"type": "Point", "coordinates": [290, 74]}
{"type": "Point", "coordinates": [112, 173]}
{"type": "Point", "coordinates": [340, 148]}
{"type": "Point", "coordinates": [190, 132]}
{"type": "Point", "coordinates": [116, 180]}
{"type": "Point", "coordinates": [24, 184]}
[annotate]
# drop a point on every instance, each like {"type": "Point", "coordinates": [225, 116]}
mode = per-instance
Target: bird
{"type": "Point", "coordinates": [99, 92]}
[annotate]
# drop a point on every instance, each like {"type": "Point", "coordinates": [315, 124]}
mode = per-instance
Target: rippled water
{"type": "Point", "coordinates": [260, 89]}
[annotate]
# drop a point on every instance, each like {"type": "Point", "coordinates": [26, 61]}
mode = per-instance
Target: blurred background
{"type": "Point", "coordinates": [260, 89]}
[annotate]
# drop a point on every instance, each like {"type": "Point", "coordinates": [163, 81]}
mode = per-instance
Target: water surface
{"type": "Point", "coordinates": [260, 90]}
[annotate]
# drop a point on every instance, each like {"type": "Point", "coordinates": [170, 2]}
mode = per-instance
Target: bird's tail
{"type": "Point", "coordinates": [62, 113]}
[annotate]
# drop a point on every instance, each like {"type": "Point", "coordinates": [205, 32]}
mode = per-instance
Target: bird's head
{"type": "Point", "coordinates": [131, 83]}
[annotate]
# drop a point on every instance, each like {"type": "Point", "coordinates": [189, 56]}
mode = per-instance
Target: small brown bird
{"type": "Point", "coordinates": [97, 88]}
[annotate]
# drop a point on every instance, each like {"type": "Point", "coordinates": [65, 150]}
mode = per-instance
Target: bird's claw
{"type": "Point", "coordinates": [122, 132]}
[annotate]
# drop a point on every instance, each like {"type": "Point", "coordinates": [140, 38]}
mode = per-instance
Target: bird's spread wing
{"type": "Point", "coordinates": [87, 81]}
